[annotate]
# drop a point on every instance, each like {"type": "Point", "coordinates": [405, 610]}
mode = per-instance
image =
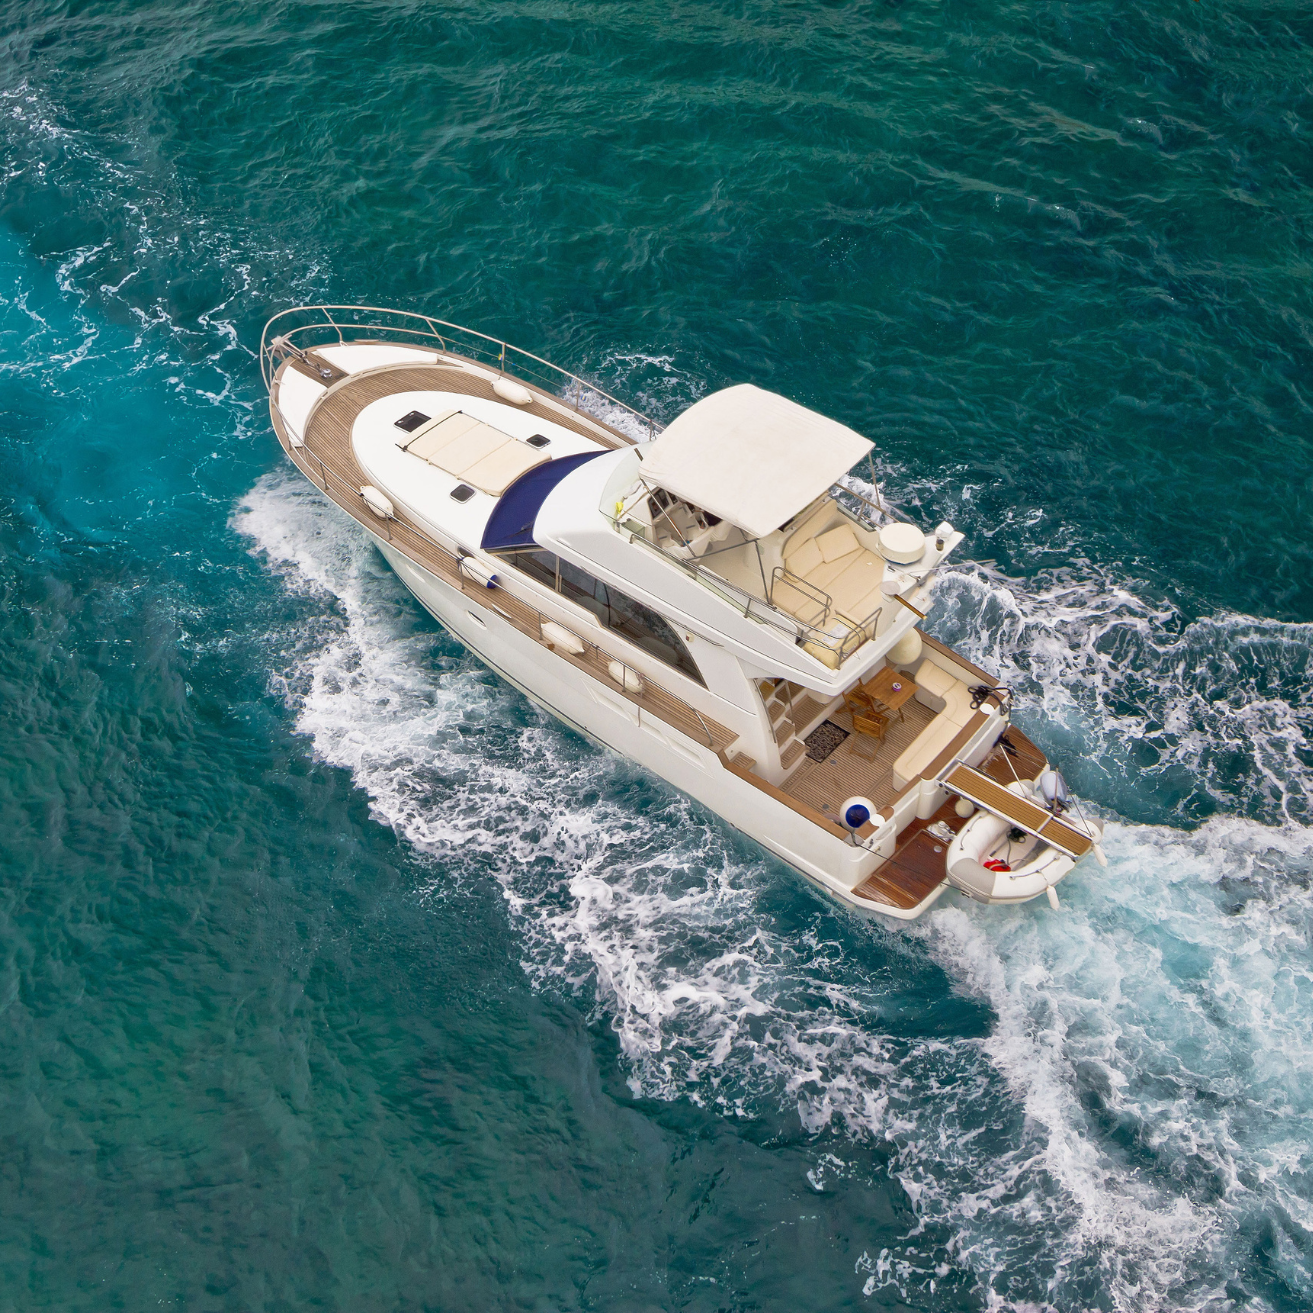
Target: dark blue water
{"type": "Point", "coordinates": [334, 976]}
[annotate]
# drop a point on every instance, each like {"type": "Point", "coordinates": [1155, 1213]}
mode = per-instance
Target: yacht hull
{"type": "Point", "coordinates": [438, 454]}
{"type": "Point", "coordinates": [588, 707]}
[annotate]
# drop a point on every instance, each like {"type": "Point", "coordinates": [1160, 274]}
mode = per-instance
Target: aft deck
{"type": "Point", "coordinates": [860, 767]}
{"type": "Point", "coordinates": [919, 864]}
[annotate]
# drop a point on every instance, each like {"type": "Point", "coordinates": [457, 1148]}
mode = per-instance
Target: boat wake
{"type": "Point", "coordinates": [1105, 1107]}
{"type": "Point", "coordinates": [1123, 1127]}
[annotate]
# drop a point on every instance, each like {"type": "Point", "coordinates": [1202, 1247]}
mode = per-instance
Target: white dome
{"type": "Point", "coordinates": [902, 543]}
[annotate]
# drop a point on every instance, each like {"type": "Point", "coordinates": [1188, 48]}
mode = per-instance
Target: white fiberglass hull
{"type": "Point", "coordinates": [587, 706]}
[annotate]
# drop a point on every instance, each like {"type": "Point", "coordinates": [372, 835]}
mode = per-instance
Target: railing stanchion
{"type": "Point", "coordinates": [472, 342]}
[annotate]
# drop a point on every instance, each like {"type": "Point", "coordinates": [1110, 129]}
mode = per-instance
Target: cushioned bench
{"type": "Point", "coordinates": [836, 563]}
{"type": "Point", "coordinates": [951, 699]}
{"type": "Point", "coordinates": [832, 567]}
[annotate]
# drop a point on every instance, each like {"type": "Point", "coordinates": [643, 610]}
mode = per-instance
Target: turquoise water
{"type": "Point", "coordinates": [333, 975]}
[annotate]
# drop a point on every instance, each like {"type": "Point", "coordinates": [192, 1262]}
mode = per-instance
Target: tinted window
{"type": "Point", "coordinates": [646, 629]}
{"type": "Point", "coordinates": [580, 586]}
{"type": "Point", "coordinates": [641, 625]}
{"type": "Point", "coordinates": [538, 565]}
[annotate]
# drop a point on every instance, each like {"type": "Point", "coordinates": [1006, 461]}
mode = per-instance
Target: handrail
{"type": "Point", "coordinates": [443, 552]}
{"type": "Point", "coordinates": [494, 352]}
{"type": "Point", "coordinates": [764, 611]}
{"type": "Point", "coordinates": [604, 658]}
{"type": "Point", "coordinates": [740, 599]}
{"type": "Point", "coordinates": [868, 521]}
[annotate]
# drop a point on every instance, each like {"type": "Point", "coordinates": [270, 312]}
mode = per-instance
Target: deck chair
{"type": "Point", "coordinates": [859, 702]}
{"type": "Point", "coordinates": [869, 729]}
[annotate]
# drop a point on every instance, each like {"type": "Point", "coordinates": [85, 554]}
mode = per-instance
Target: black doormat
{"type": "Point", "coordinates": [824, 739]}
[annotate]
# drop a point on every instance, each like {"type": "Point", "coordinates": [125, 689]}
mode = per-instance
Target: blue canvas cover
{"type": "Point", "coordinates": [510, 526]}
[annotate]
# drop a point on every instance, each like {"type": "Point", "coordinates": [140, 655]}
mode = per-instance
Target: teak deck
{"type": "Point", "coordinates": [919, 863]}
{"type": "Point", "coordinates": [847, 773]}
{"type": "Point", "coordinates": [331, 466]}
{"type": "Point", "coordinates": [917, 867]}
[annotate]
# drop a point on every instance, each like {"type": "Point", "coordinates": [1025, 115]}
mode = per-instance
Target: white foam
{"type": "Point", "coordinates": [1219, 709]}
{"type": "Point", "coordinates": [655, 914]}
{"type": "Point", "coordinates": [1173, 990]}
{"type": "Point", "coordinates": [1185, 1019]}
{"type": "Point", "coordinates": [1140, 1097]}
{"type": "Point", "coordinates": [156, 231]}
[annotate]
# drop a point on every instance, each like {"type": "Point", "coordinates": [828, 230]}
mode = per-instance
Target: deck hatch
{"type": "Point", "coordinates": [409, 423]}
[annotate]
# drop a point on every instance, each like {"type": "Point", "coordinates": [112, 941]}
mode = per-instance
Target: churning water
{"type": "Point", "coordinates": [335, 975]}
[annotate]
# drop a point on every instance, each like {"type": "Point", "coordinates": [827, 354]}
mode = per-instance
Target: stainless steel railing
{"type": "Point", "coordinates": [752, 607]}
{"type": "Point", "coordinates": [307, 326]}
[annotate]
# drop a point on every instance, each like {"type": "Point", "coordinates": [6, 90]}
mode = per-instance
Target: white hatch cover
{"type": "Point", "coordinates": [751, 457]}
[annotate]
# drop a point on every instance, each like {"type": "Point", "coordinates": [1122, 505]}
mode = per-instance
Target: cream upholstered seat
{"type": "Point", "coordinates": [472, 450]}
{"type": "Point", "coordinates": [502, 466]}
{"type": "Point", "coordinates": [951, 698]}
{"type": "Point", "coordinates": [836, 564]}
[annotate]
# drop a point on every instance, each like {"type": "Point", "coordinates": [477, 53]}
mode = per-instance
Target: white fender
{"type": "Point", "coordinates": [509, 390]}
{"type": "Point", "coordinates": [476, 570]}
{"type": "Point", "coordinates": [377, 502]}
{"type": "Point", "coordinates": [626, 678]}
{"type": "Point", "coordinates": [561, 638]}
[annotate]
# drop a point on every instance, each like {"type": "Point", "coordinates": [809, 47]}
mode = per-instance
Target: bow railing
{"type": "Point", "coordinates": [305, 327]}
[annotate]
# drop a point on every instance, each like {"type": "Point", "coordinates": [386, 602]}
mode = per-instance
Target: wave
{"type": "Point", "coordinates": [1127, 1132]}
{"type": "Point", "coordinates": [163, 282]}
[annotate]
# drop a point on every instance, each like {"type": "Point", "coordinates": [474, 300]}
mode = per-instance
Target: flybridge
{"type": "Point", "coordinates": [751, 457]}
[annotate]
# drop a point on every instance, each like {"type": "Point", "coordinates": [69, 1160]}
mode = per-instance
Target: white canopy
{"type": "Point", "coordinates": [751, 457]}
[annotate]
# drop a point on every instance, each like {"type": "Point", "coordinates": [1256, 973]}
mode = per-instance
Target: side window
{"type": "Point", "coordinates": [632, 620]}
{"type": "Point", "coordinates": [646, 629]}
{"type": "Point", "coordinates": [538, 565]}
{"type": "Point", "coordinates": [580, 586]}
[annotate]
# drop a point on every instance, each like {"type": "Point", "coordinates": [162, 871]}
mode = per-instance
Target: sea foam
{"type": "Point", "coordinates": [1130, 1123]}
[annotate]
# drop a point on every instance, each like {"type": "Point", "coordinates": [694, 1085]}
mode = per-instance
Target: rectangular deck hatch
{"type": "Point", "coordinates": [412, 421]}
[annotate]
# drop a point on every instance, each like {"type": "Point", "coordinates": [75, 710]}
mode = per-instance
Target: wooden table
{"type": "Point", "coordinates": [889, 689]}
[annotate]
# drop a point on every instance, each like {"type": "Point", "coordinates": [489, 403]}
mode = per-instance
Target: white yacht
{"type": "Point", "coordinates": [719, 600]}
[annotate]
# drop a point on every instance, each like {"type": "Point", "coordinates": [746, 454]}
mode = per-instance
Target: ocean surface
{"type": "Point", "coordinates": [333, 975]}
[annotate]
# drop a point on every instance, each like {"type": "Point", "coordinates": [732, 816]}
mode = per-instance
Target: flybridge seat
{"type": "Point", "coordinates": [830, 579]}
{"type": "Point", "coordinates": [951, 698]}
{"type": "Point", "coordinates": [471, 450]}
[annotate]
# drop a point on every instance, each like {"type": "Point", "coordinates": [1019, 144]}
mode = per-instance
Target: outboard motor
{"type": "Point", "coordinates": [1053, 789]}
